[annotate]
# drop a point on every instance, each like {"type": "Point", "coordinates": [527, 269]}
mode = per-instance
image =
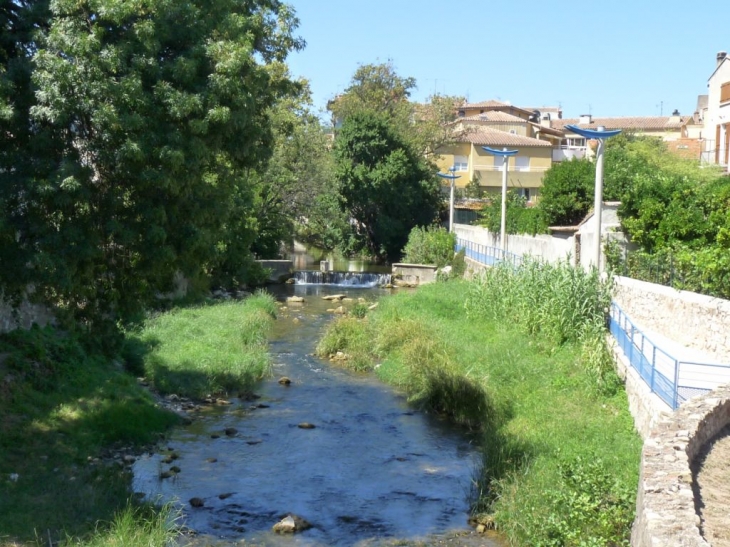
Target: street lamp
{"type": "Point", "coordinates": [505, 155]}
{"type": "Point", "coordinates": [600, 134]}
{"type": "Point", "coordinates": [452, 177]}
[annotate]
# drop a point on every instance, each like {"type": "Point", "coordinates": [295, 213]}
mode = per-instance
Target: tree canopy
{"type": "Point", "coordinates": [386, 188]}
{"type": "Point", "coordinates": [130, 143]}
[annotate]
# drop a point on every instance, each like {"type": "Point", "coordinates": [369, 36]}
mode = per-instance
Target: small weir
{"type": "Point", "coordinates": [344, 279]}
{"type": "Point", "coordinates": [372, 471]}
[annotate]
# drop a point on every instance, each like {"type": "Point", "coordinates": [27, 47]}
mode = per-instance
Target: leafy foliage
{"type": "Point", "coordinates": [385, 187]}
{"type": "Point", "coordinates": [430, 245]}
{"type": "Point", "coordinates": [521, 219]}
{"type": "Point", "coordinates": [567, 192]}
{"type": "Point", "coordinates": [130, 144]}
{"type": "Point", "coordinates": [378, 88]}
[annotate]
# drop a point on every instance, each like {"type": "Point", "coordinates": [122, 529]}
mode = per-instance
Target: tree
{"type": "Point", "coordinates": [378, 88]}
{"type": "Point", "coordinates": [299, 172]}
{"type": "Point", "coordinates": [386, 188]}
{"type": "Point", "coordinates": [152, 112]}
{"type": "Point", "coordinates": [567, 192]}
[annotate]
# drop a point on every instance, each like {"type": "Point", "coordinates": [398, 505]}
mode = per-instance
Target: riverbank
{"type": "Point", "coordinates": [561, 455]}
{"type": "Point", "coordinates": [72, 421]}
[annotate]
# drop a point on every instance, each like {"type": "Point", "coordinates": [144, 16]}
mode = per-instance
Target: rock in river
{"type": "Point", "coordinates": [291, 524]}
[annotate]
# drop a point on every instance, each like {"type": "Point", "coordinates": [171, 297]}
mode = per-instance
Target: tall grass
{"type": "Point", "coordinates": [132, 527]}
{"type": "Point", "coordinates": [561, 457]}
{"type": "Point", "coordinates": [205, 350]}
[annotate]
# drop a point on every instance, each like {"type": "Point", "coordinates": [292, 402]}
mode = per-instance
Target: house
{"type": "Point", "coordinates": [717, 117]}
{"type": "Point", "coordinates": [470, 161]}
{"type": "Point", "coordinates": [667, 128]}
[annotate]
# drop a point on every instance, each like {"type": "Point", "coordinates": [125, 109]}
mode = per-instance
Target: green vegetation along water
{"type": "Point", "coordinates": [72, 421]}
{"type": "Point", "coordinates": [560, 452]}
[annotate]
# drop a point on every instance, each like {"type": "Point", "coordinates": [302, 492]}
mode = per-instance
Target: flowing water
{"type": "Point", "coordinates": [372, 471]}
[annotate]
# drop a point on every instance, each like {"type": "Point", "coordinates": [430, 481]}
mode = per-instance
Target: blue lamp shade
{"type": "Point", "coordinates": [592, 133]}
{"type": "Point", "coordinates": [495, 152]}
{"type": "Point", "coordinates": [448, 176]}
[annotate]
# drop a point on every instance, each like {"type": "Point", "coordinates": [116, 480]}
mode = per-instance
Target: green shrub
{"type": "Point", "coordinates": [433, 245]}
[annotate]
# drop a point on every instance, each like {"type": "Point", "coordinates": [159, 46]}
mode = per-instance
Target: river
{"type": "Point", "coordinates": [372, 471]}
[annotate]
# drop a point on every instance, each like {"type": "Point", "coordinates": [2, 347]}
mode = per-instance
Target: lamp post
{"type": "Point", "coordinates": [505, 155]}
{"type": "Point", "coordinates": [452, 177]}
{"type": "Point", "coordinates": [600, 134]}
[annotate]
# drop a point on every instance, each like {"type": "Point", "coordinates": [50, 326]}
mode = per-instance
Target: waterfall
{"type": "Point", "coordinates": [349, 279]}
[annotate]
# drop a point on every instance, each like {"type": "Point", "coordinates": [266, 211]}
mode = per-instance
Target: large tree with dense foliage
{"type": "Point", "coordinates": [299, 173]}
{"type": "Point", "coordinates": [385, 186]}
{"type": "Point", "coordinates": [143, 118]}
{"type": "Point", "coordinates": [379, 88]}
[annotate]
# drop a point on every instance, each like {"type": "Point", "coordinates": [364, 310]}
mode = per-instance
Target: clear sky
{"type": "Point", "coordinates": [605, 57]}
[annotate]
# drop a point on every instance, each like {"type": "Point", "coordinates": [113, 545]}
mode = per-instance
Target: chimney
{"type": "Point", "coordinates": [721, 57]}
{"type": "Point", "coordinates": [585, 119]}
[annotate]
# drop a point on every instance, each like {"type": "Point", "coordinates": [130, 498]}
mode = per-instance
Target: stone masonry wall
{"type": "Point", "coordinates": [665, 504]}
{"type": "Point", "coordinates": [25, 316]}
{"type": "Point", "coordinates": [690, 319]}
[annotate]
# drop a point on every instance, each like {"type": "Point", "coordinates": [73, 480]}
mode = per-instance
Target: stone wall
{"type": "Point", "coordinates": [690, 319]}
{"type": "Point", "coordinates": [665, 504]}
{"type": "Point", "coordinates": [24, 317]}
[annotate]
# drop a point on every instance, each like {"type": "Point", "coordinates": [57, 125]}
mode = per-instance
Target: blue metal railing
{"type": "Point", "coordinates": [673, 380]}
{"type": "Point", "coordinates": [489, 256]}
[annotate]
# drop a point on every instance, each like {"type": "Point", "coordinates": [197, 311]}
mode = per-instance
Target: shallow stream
{"type": "Point", "coordinates": [371, 471]}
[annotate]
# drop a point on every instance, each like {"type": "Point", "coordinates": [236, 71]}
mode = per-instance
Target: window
{"type": "Point", "coordinates": [524, 193]}
{"type": "Point", "coordinates": [725, 92]}
{"type": "Point", "coordinates": [522, 163]}
{"type": "Point", "coordinates": [460, 163]}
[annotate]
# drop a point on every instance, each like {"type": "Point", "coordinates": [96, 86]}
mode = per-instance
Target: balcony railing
{"type": "Point", "coordinates": [563, 153]}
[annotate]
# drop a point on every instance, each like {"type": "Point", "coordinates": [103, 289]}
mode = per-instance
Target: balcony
{"type": "Point", "coordinates": [564, 153]}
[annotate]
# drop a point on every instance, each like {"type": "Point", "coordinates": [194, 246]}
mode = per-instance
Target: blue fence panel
{"type": "Point", "coordinates": [673, 381]}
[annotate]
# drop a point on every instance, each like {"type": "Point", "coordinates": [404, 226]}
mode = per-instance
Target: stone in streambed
{"type": "Point", "coordinates": [291, 524]}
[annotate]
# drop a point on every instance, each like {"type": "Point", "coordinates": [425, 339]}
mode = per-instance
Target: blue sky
{"type": "Point", "coordinates": [608, 58]}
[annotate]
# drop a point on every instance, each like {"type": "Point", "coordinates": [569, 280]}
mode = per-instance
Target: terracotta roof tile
{"type": "Point", "coordinates": [486, 136]}
{"type": "Point", "coordinates": [485, 104]}
{"type": "Point", "coordinates": [493, 116]}
{"type": "Point", "coordinates": [641, 123]}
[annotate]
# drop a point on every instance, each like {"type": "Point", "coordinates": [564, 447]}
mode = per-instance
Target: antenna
{"type": "Point", "coordinates": [661, 108]}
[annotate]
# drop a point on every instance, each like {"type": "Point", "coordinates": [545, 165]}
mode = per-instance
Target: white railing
{"type": "Point", "coordinates": [566, 152]}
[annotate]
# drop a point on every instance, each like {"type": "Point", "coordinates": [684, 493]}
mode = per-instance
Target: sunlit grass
{"type": "Point", "coordinates": [207, 350]}
{"type": "Point", "coordinates": [528, 390]}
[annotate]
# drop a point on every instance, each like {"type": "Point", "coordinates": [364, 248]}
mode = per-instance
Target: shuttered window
{"type": "Point", "coordinates": [725, 92]}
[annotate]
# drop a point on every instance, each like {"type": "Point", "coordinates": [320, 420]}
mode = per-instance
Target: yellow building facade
{"type": "Point", "coordinates": [526, 169]}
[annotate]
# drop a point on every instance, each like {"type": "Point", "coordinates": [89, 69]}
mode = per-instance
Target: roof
{"type": "Point", "coordinates": [725, 60]}
{"type": "Point", "coordinates": [542, 109]}
{"type": "Point", "coordinates": [486, 136]}
{"type": "Point", "coordinates": [494, 105]}
{"type": "Point", "coordinates": [493, 116]}
{"type": "Point", "coordinates": [550, 130]}
{"type": "Point", "coordinates": [641, 123]}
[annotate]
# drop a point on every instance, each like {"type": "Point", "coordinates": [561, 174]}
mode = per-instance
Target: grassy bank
{"type": "Point", "coordinates": [200, 351]}
{"type": "Point", "coordinates": [67, 416]}
{"type": "Point", "coordinates": [561, 456]}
